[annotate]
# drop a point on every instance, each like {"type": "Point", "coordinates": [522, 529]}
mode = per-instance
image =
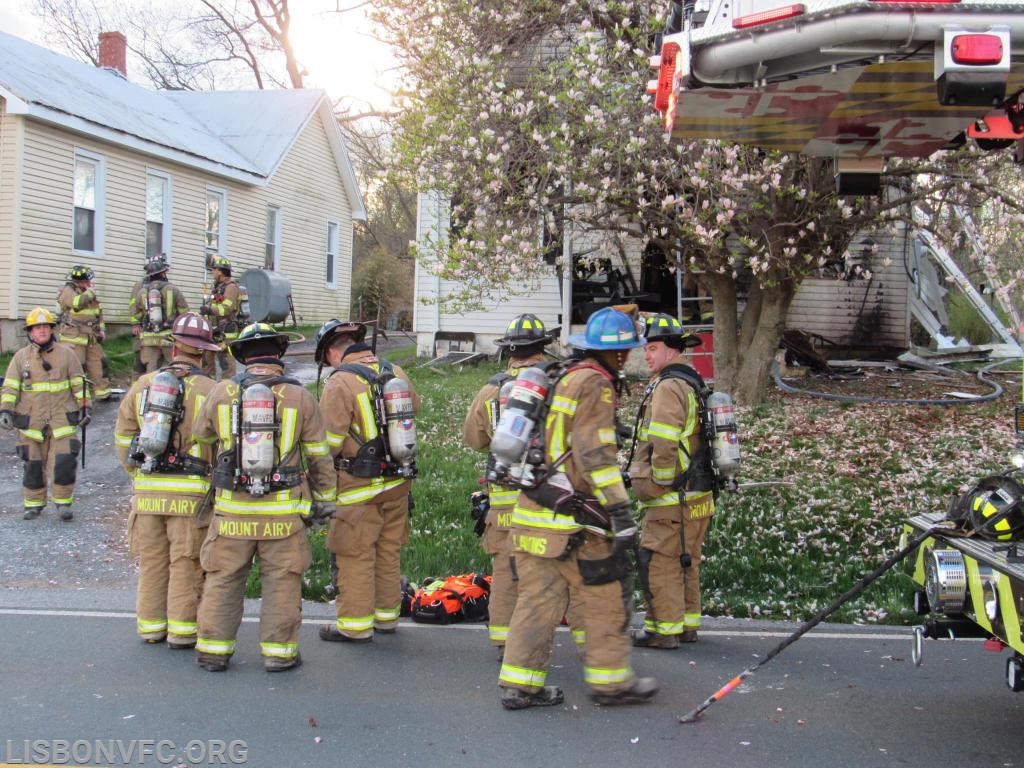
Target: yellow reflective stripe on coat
{"type": "Point", "coordinates": [189, 484]}
{"type": "Point", "coordinates": [696, 500]}
{"type": "Point", "coordinates": [224, 425]}
{"type": "Point", "coordinates": [545, 519]}
{"type": "Point", "coordinates": [334, 440]}
{"type": "Point", "coordinates": [289, 418]}
{"type": "Point", "coordinates": [319, 448]}
{"type": "Point", "coordinates": [324, 496]}
{"type": "Point", "coordinates": [82, 341]}
{"type": "Point", "coordinates": [365, 492]}
{"type": "Point", "coordinates": [62, 432]}
{"type": "Point", "coordinates": [503, 498]}
{"type": "Point", "coordinates": [54, 386]}
{"type": "Point", "coordinates": [215, 647]}
{"type": "Point", "coordinates": [604, 477]}
{"type": "Point", "coordinates": [497, 633]}
{"type": "Point", "coordinates": [14, 384]}
{"type": "Point", "coordinates": [554, 430]}
{"type": "Point", "coordinates": [279, 650]}
{"type": "Point", "coordinates": [666, 431]}
{"type": "Point", "coordinates": [279, 503]}
{"type": "Point", "coordinates": [533, 678]}
{"type": "Point", "coordinates": [562, 404]}
{"type": "Point", "coordinates": [606, 676]}
{"type": "Point", "coordinates": [32, 434]}
{"type": "Point", "coordinates": [369, 424]}
{"type": "Point", "coordinates": [663, 475]}
{"type": "Point", "coordinates": [8, 399]}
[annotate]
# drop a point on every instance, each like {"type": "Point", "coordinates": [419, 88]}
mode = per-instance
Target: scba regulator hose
{"type": "Point", "coordinates": [997, 390]}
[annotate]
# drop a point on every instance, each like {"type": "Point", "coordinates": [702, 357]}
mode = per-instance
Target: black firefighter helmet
{"type": "Point", "coordinates": [331, 330]}
{"type": "Point", "coordinates": [259, 340]}
{"type": "Point", "coordinates": [992, 509]}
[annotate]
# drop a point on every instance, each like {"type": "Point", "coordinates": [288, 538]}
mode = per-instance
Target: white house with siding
{"type": "Point", "coordinates": [99, 171]}
{"type": "Point", "coordinates": [871, 312]}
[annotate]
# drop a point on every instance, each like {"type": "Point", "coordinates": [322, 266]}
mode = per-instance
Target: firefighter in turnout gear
{"type": "Point", "coordinates": [170, 485]}
{"type": "Point", "coordinates": [222, 309]}
{"type": "Point", "coordinates": [273, 476]}
{"type": "Point", "coordinates": [152, 310]}
{"type": "Point", "coordinates": [44, 397]}
{"type": "Point", "coordinates": [371, 524]}
{"type": "Point", "coordinates": [674, 521]}
{"type": "Point", "coordinates": [82, 328]}
{"type": "Point", "coordinates": [525, 339]}
{"type": "Point", "coordinates": [573, 532]}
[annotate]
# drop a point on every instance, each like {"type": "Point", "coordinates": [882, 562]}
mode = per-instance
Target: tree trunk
{"type": "Point", "coordinates": [723, 296]}
{"type": "Point", "coordinates": [755, 365]}
{"type": "Point", "coordinates": [743, 358]}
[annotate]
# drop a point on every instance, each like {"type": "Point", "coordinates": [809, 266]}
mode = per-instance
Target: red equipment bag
{"type": "Point", "coordinates": [455, 598]}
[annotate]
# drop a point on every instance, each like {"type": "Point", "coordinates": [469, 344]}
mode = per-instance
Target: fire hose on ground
{"type": "Point", "coordinates": [807, 626]}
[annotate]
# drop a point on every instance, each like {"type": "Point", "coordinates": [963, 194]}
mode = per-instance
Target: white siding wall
{"type": "Point", "coordinates": [10, 145]}
{"type": "Point", "coordinates": [307, 187]}
{"type": "Point", "coordinates": [542, 298]}
{"type": "Point", "coordinates": [832, 308]}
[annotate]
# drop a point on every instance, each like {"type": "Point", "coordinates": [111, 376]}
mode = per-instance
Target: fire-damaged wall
{"type": "Point", "coordinates": [859, 311]}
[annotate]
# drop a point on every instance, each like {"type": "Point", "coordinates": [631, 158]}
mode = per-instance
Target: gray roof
{"type": "Point", "coordinates": [241, 135]}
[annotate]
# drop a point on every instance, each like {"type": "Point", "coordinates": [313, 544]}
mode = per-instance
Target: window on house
{"type": "Point", "coordinates": [87, 228]}
{"type": "Point", "coordinates": [272, 255]}
{"type": "Point", "coordinates": [158, 214]}
{"type": "Point", "coordinates": [216, 221]}
{"type": "Point", "coordinates": [332, 254]}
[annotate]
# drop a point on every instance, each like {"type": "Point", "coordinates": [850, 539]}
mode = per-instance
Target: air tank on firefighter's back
{"type": "Point", "coordinates": [269, 294]}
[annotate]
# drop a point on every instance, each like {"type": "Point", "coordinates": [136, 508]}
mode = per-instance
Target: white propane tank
{"type": "Point", "coordinates": [161, 407]}
{"type": "Point", "coordinates": [257, 429]}
{"type": "Point", "coordinates": [154, 309]}
{"type": "Point", "coordinates": [726, 446]}
{"type": "Point", "coordinates": [518, 418]}
{"type": "Point", "coordinates": [398, 410]}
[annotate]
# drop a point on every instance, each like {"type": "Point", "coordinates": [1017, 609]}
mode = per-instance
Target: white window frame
{"type": "Point", "coordinates": [221, 248]}
{"type": "Point", "coordinates": [276, 243]}
{"type": "Point", "coordinates": [333, 247]}
{"type": "Point", "coordinates": [165, 240]}
{"type": "Point", "coordinates": [99, 208]}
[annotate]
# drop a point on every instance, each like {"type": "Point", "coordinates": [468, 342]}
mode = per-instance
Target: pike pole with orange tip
{"type": "Point", "coordinates": [807, 626]}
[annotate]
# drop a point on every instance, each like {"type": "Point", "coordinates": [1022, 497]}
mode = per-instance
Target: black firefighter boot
{"type": "Point", "coordinates": [31, 513]}
{"type": "Point", "coordinates": [548, 696]}
{"type": "Point", "coordinates": [641, 690]}
{"type": "Point", "coordinates": [65, 512]}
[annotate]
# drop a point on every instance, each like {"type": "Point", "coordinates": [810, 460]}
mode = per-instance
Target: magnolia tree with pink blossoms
{"type": "Point", "coordinates": [532, 118]}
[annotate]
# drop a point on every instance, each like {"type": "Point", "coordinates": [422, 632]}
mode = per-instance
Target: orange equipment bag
{"type": "Point", "coordinates": [455, 598]}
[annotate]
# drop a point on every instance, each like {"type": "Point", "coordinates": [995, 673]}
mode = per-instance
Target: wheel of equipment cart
{"type": "Point", "coordinates": [1015, 674]}
{"type": "Point", "coordinates": [918, 645]}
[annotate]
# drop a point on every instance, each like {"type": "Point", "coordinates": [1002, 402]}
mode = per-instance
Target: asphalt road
{"type": "Point", "coordinates": [428, 697]}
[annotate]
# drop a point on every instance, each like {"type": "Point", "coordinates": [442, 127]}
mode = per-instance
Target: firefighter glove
{"type": "Point", "coordinates": [206, 309]}
{"type": "Point", "coordinates": [623, 527]}
{"type": "Point", "coordinates": [85, 417]}
{"type": "Point", "coordinates": [322, 511]}
{"type": "Point", "coordinates": [88, 294]}
{"type": "Point", "coordinates": [6, 420]}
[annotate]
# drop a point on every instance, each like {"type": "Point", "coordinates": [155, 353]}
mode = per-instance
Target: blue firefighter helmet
{"type": "Point", "coordinates": [608, 329]}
